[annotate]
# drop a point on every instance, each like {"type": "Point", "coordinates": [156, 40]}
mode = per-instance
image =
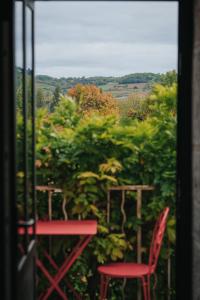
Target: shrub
{"type": "Point", "coordinates": [85, 154]}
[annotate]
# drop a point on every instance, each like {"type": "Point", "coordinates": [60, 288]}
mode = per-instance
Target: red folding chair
{"type": "Point", "coordinates": [135, 270]}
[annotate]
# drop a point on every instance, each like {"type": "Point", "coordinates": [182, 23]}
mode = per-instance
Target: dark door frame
{"type": "Point", "coordinates": [26, 273]}
{"type": "Point", "coordinates": [11, 266]}
{"type": "Point", "coordinates": [8, 218]}
{"type": "Point", "coordinates": [8, 227]}
{"type": "Point", "coordinates": [184, 152]}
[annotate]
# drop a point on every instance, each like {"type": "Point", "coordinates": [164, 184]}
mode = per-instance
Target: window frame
{"type": "Point", "coordinates": [8, 218]}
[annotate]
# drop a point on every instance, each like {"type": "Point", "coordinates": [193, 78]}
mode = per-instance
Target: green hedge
{"type": "Point", "coordinates": [86, 155]}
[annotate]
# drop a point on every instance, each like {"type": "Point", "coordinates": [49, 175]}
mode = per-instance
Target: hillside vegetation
{"type": "Point", "coordinates": [47, 82]}
{"type": "Point", "coordinates": [120, 87]}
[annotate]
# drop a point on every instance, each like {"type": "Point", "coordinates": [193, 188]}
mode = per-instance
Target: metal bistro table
{"type": "Point", "coordinates": [86, 229]}
{"type": "Point", "coordinates": [51, 190]}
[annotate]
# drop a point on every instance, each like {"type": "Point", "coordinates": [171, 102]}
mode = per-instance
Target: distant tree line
{"type": "Point", "coordinates": [49, 89]}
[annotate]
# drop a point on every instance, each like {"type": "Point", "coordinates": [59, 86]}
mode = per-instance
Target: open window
{"type": "Point", "coordinates": [9, 216]}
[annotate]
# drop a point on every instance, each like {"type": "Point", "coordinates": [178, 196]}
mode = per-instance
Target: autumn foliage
{"type": "Point", "coordinates": [92, 99]}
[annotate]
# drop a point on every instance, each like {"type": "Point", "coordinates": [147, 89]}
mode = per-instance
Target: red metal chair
{"type": "Point", "coordinates": [135, 270]}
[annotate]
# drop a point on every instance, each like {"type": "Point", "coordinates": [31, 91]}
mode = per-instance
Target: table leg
{"type": "Point", "coordinates": [50, 205]}
{"type": "Point", "coordinates": [69, 285]}
{"type": "Point", "coordinates": [139, 231]}
{"type": "Point", "coordinates": [71, 288]}
{"type": "Point", "coordinates": [67, 264]}
{"type": "Point", "coordinates": [139, 237]}
{"type": "Point", "coordinates": [64, 208]}
{"type": "Point", "coordinates": [108, 207]}
{"type": "Point", "coordinates": [51, 280]}
{"type": "Point", "coordinates": [50, 193]}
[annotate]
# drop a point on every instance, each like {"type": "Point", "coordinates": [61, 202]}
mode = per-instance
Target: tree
{"type": "Point", "coordinates": [169, 78]}
{"type": "Point", "coordinates": [56, 97]}
{"type": "Point", "coordinates": [91, 99]}
{"type": "Point", "coordinates": [40, 97]}
{"type": "Point", "coordinates": [19, 97]}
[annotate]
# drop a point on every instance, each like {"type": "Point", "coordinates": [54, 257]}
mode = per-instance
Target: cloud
{"type": "Point", "coordinates": [105, 38]}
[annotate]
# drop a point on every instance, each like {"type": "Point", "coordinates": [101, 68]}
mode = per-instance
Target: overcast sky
{"type": "Point", "coordinates": [105, 38]}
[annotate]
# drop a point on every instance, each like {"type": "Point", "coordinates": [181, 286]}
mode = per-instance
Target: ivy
{"type": "Point", "coordinates": [86, 154]}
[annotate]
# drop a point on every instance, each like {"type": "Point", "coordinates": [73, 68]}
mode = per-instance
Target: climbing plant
{"type": "Point", "coordinates": [87, 153]}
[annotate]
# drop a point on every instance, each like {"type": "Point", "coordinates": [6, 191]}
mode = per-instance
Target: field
{"type": "Point", "coordinates": [122, 91]}
{"type": "Point", "coordinates": [120, 87]}
{"type": "Point", "coordinates": [119, 91]}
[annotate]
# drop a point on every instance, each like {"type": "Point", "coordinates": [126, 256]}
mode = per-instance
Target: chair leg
{"type": "Point", "coordinates": [144, 285]}
{"type": "Point", "coordinates": [154, 286]}
{"type": "Point", "coordinates": [149, 287]}
{"type": "Point", "coordinates": [103, 287]}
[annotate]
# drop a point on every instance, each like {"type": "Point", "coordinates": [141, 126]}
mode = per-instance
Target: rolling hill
{"type": "Point", "coordinates": [120, 87]}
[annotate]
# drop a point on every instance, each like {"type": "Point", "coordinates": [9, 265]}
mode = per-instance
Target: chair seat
{"type": "Point", "coordinates": [121, 270]}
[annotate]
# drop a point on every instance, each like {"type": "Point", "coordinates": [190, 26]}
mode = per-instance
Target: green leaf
{"type": "Point", "coordinates": [88, 175]}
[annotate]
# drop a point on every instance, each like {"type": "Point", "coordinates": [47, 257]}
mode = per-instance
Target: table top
{"type": "Point", "coordinates": [131, 188]}
{"type": "Point", "coordinates": [71, 227]}
{"type": "Point", "coordinates": [48, 188]}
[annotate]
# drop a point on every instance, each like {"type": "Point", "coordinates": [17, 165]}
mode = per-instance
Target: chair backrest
{"type": "Point", "coordinates": [157, 239]}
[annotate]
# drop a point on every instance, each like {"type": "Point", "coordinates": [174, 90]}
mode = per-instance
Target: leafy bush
{"type": "Point", "coordinates": [92, 99]}
{"type": "Point", "coordinates": [85, 154]}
